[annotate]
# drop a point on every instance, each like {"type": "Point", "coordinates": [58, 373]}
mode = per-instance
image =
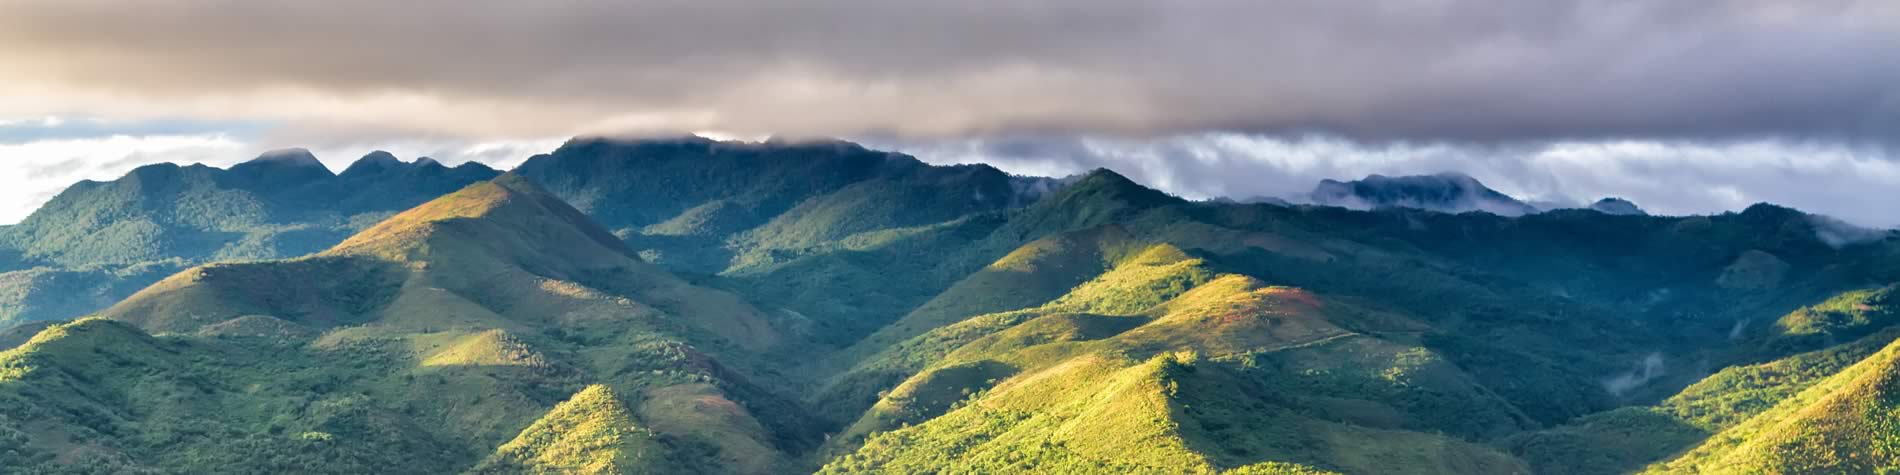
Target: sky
{"type": "Point", "coordinates": [1683, 106]}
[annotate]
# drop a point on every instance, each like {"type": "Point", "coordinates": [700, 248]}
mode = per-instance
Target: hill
{"type": "Point", "coordinates": [1842, 424]}
{"type": "Point", "coordinates": [591, 433]}
{"type": "Point", "coordinates": [97, 242]}
{"type": "Point", "coordinates": [704, 206]}
{"type": "Point", "coordinates": [497, 293]}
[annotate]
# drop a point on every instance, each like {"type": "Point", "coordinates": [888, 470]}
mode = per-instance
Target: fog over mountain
{"type": "Point", "coordinates": [1616, 206]}
{"type": "Point", "coordinates": [1687, 107]}
{"type": "Point", "coordinates": [1665, 176]}
{"type": "Point", "coordinates": [1445, 192]}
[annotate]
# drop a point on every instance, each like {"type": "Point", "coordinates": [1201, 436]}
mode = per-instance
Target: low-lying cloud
{"type": "Point", "coordinates": [1672, 177]}
{"type": "Point", "coordinates": [33, 171]}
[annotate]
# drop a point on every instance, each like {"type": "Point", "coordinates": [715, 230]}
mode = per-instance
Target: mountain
{"type": "Point", "coordinates": [589, 433]}
{"type": "Point", "coordinates": [494, 295]}
{"type": "Point", "coordinates": [1444, 193]}
{"type": "Point", "coordinates": [96, 242]}
{"type": "Point", "coordinates": [1617, 206]}
{"type": "Point", "coordinates": [793, 222]}
{"type": "Point", "coordinates": [690, 306]}
{"type": "Point", "coordinates": [705, 206]}
{"type": "Point", "coordinates": [500, 254]}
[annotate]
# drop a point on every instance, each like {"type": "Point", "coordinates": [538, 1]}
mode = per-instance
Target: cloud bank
{"type": "Point", "coordinates": [1454, 70]}
{"type": "Point", "coordinates": [1686, 106]}
{"type": "Point", "coordinates": [41, 157]}
{"type": "Point", "coordinates": [1672, 177]}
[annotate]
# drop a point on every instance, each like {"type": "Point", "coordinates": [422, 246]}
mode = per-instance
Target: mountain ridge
{"type": "Point", "coordinates": [1447, 192]}
{"type": "Point", "coordinates": [824, 307]}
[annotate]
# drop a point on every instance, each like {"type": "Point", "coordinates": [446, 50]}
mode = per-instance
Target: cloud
{"type": "Point", "coordinates": [18, 131]}
{"type": "Point", "coordinates": [500, 154]}
{"type": "Point", "coordinates": [1465, 71]}
{"type": "Point", "coordinates": [47, 166]}
{"type": "Point", "coordinates": [1672, 177]}
{"type": "Point", "coordinates": [40, 166]}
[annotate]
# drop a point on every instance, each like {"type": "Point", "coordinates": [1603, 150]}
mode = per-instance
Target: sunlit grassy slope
{"type": "Point", "coordinates": [1725, 410]}
{"type": "Point", "coordinates": [453, 324]}
{"type": "Point", "coordinates": [590, 433]}
{"type": "Point", "coordinates": [1843, 424]}
{"type": "Point", "coordinates": [1000, 378]}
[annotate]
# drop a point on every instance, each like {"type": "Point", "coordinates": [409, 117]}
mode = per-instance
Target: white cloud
{"type": "Point", "coordinates": [500, 154]}
{"type": "Point", "coordinates": [38, 170]}
{"type": "Point", "coordinates": [1662, 176]}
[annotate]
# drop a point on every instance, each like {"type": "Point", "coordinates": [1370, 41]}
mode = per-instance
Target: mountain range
{"type": "Point", "coordinates": [686, 305]}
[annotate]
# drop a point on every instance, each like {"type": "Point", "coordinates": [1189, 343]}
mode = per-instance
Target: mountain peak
{"type": "Point", "coordinates": [1448, 192]}
{"type": "Point", "coordinates": [1105, 182]}
{"type": "Point", "coordinates": [1617, 206]}
{"type": "Point", "coordinates": [283, 167]}
{"type": "Point", "coordinates": [487, 212]}
{"type": "Point", "coordinates": [1100, 178]}
{"type": "Point", "coordinates": [379, 156]}
{"type": "Point", "coordinates": [287, 156]}
{"type": "Point", "coordinates": [379, 162]}
{"type": "Point", "coordinates": [372, 163]}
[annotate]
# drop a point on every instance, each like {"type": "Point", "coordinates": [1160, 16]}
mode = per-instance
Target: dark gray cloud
{"type": "Point", "coordinates": [1444, 70]}
{"type": "Point", "coordinates": [1683, 106]}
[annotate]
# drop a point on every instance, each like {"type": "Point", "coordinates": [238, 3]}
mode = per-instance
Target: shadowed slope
{"type": "Point", "coordinates": [500, 253]}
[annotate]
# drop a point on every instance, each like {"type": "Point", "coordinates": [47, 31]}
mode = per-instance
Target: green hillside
{"type": "Point", "coordinates": [693, 306]}
{"type": "Point", "coordinates": [590, 433]}
{"type": "Point", "coordinates": [474, 309]}
{"type": "Point", "coordinates": [1842, 424]}
{"type": "Point", "coordinates": [98, 242]}
{"type": "Point", "coordinates": [1243, 337]}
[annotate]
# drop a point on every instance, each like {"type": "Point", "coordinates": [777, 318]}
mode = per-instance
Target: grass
{"type": "Point", "coordinates": [590, 433]}
{"type": "Point", "coordinates": [1169, 414]}
{"type": "Point", "coordinates": [1627, 439]}
{"type": "Point", "coordinates": [1042, 391]}
{"type": "Point", "coordinates": [1842, 424]}
{"type": "Point", "coordinates": [486, 348]}
{"type": "Point", "coordinates": [112, 238]}
{"type": "Point", "coordinates": [447, 330]}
